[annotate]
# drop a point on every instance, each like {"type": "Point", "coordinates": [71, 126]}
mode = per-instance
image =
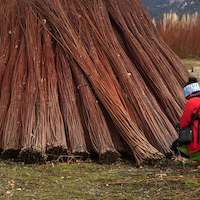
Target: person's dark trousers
{"type": "Point", "coordinates": [175, 144]}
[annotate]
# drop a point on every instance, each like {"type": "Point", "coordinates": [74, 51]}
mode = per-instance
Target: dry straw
{"type": "Point", "coordinates": [181, 33]}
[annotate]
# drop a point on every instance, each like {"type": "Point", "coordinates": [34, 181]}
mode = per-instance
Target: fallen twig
{"type": "Point", "coordinates": [148, 179]}
{"type": "Point", "coordinates": [182, 194]}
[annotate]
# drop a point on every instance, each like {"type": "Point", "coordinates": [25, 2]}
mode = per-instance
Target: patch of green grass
{"type": "Point", "coordinates": [94, 181]}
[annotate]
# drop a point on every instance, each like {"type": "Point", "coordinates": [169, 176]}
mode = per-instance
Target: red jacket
{"type": "Point", "coordinates": [191, 108]}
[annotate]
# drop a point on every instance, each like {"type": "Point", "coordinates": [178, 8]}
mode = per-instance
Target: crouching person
{"type": "Point", "coordinates": [191, 92]}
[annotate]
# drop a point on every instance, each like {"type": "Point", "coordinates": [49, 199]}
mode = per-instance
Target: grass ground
{"type": "Point", "coordinates": [169, 179]}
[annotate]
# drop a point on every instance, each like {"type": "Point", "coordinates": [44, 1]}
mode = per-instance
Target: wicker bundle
{"type": "Point", "coordinates": [11, 141]}
{"type": "Point", "coordinates": [145, 57]}
{"type": "Point", "coordinates": [150, 122]}
{"type": "Point", "coordinates": [34, 122]}
{"type": "Point", "coordinates": [71, 116]}
{"type": "Point", "coordinates": [7, 73]}
{"type": "Point", "coordinates": [114, 107]}
{"type": "Point", "coordinates": [56, 138]}
{"type": "Point", "coordinates": [160, 58]}
{"type": "Point", "coordinates": [85, 76]}
{"type": "Point", "coordinates": [94, 120]}
{"type": "Point", "coordinates": [5, 44]}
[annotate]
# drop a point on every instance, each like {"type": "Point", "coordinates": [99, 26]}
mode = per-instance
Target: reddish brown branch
{"type": "Point", "coordinates": [145, 180]}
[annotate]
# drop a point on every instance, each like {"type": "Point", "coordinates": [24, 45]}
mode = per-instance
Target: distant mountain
{"type": "Point", "coordinates": [157, 8]}
{"type": "Point", "coordinates": [187, 6]}
{"type": "Point", "coordinates": [176, 1]}
{"type": "Point", "coordinates": [156, 3]}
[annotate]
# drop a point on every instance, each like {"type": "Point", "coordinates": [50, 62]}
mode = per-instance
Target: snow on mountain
{"type": "Point", "coordinates": [157, 8]}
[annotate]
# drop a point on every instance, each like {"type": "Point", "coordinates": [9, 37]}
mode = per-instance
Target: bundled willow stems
{"type": "Point", "coordinates": [78, 77]}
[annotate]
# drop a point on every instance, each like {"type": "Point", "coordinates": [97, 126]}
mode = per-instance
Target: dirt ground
{"type": "Point", "coordinates": [189, 63]}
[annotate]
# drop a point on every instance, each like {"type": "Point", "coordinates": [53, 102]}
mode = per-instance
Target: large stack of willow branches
{"type": "Point", "coordinates": [78, 77]}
